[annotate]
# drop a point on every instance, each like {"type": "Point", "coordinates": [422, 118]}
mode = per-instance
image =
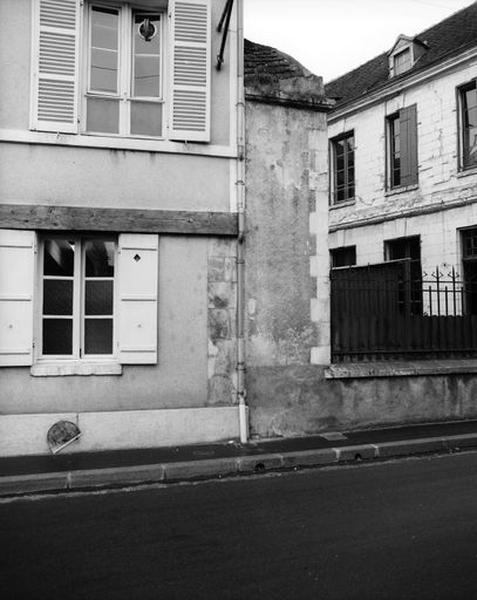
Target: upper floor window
{"type": "Point", "coordinates": [468, 125]}
{"type": "Point", "coordinates": [140, 69]}
{"type": "Point", "coordinates": [402, 61]}
{"type": "Point", "coordinates": [342, 151]}
{"type": "Point", "coordinates": [394, 142]}
{"type": "Point", "coordinates": [402, 147]}
{"type": "Point", "coordinates": [124, 89]}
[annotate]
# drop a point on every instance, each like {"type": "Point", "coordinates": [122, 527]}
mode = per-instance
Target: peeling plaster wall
{"type": "Point", "coordinates": [286, 176]}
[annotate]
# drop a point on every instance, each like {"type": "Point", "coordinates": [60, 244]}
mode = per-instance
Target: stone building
{"type": "Point", "coordinates": [403, 218]}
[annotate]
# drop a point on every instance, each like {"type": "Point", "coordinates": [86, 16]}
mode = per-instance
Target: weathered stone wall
{"type": "Point", "coordinates": [286, 177]}
{"type": "Point", "coordinates": [299, 400]}
{"type": "Point", "coordinates": [222, 306]}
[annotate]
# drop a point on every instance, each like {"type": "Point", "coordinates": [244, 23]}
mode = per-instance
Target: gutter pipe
{"type": "Point", "coordinates": [240, 186]}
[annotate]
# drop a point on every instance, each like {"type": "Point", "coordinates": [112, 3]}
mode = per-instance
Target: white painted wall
{"type": "Point", "coordinates": [178, 380]}
{"type": "Point", "coordinates": [22, 435]}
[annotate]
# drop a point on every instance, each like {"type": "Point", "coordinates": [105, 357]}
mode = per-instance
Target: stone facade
{"type": "Point", "coordinates": [222, 306]}
{"type": "Point", "coordinates": [444, 199]}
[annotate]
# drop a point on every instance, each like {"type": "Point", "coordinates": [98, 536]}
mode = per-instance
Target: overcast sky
{"type": "Point", "coordinates": [331, 37]}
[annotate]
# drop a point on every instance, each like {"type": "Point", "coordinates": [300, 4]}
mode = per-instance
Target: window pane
{"type": "Point", "coordinates": [471, 98]}
{"type": "Point", "coordinates": [99, 257]}
{"type": "Point", "coordinates": [146, 61]}
{"type": "Point", "coordinates": [99, 298]}
{"type": "Point", "coordinates": [469, 106]}
{"type": "Point", "coordinates": [98, 336]}
{"type": "Point", "coordinates": [102, 115]}
{"type": "Point", "coordinates": [104, 50]}
{"type": "Point", "coordinates": [146, 118]}
{"type": "Point", "coordinates": [57, 297]}
{"type": "Point", "coordinates": [58, 336]}
{"type": "Point", "coordinates": [104, 28]}
{"type": "Point", "coordinates": [58, 257]}
{"type": "Point", "coordinates": [104, 71]}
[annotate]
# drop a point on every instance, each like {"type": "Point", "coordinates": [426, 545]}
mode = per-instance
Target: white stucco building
{"type": "Point", "coordinates": [120, 153]}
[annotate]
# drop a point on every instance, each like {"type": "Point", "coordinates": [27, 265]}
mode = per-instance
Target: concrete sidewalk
{"type": "Point", "coordinates": [93, 470]}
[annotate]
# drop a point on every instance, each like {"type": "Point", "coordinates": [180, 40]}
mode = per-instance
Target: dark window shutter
{"type": "Point", "coordinates": [408, 134]}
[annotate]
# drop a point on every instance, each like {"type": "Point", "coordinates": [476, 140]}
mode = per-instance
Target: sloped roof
{"type": "Point", "coordinates": [444, 40]}
{"type": "Point", "coordinates": [273, 76]}
{"type": "Point", "coordinates": [260, 60]}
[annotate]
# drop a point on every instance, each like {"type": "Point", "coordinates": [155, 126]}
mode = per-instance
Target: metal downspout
{"type": "Point", "coordinates": [240, 183]}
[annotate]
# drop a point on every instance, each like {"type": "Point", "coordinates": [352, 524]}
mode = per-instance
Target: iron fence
{"type": "Point", "coordinates": [380, 312]}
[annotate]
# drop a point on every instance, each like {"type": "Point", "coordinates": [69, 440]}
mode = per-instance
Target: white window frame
{"type": "Point", "coordinates": [125, 69]}
{"type": "Point", "coordinates": [79, 279]}
{"type": "Point", "coordinates": [185, 127]}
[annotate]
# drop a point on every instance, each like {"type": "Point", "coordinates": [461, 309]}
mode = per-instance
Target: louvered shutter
{"type": "Point", "coordinates": [190, 66]}
{"type": "Point", "coordinates": [408, 140]}
{"type": "Point", "coordinates": [55, 68]}
{"type": "Point", "coordinates": [138, 276]}
{"type": "Point", "coordinates": [16, 297]}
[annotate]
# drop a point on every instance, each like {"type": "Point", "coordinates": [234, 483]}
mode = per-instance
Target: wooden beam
{"type": "Point", "coordinates": [75, 218]}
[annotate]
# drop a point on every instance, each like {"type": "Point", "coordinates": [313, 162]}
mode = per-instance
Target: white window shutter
{"type": "Point", "coordinates": [55, 65]}
{"type": "Point", "coordinates": [190, 68]}
{"type": "Point", "coordinates": [17, 261]}
{"type": "Point", "coordinates": [137, 283]}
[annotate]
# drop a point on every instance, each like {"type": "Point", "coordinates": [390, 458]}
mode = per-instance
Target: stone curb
{"type": "Point", "coordinates": [20, 485]}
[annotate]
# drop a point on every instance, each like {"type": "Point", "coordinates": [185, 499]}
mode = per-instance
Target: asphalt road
{"type": "Point", "coordinates": [399, 530]}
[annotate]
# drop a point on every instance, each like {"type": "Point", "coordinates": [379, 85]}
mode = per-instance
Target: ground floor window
{"type": "Point", "coordinates": [469, 260]}
{"type": "Point", "coordinates": [408, 248]}
{"type": "Point", "coordinates": [345, 256]}
{"type": "Point", "coordinates": [78, 304]}
{"type": "Point", "coordinates": [77, 296]}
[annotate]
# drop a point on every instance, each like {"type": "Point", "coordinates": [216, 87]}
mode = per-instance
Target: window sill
{"type": "Point", "coordinates": [75, 367]}
{"type": "Point", "coordinates": [467, 172]}
{"type": "Point", "coordinates": [400, 368]}
{"type": "Point", "coordinates": [116, 143]}
{"type": "Point", "coordinates": [401, 190]}
{"type": "Point", "coordinates": [342, 204]}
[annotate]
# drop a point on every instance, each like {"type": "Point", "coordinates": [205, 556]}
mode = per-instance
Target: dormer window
{"type": "Point", "coordinates": [404, 54]}
{"type": "Point", "coordinates": [402, 61]}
